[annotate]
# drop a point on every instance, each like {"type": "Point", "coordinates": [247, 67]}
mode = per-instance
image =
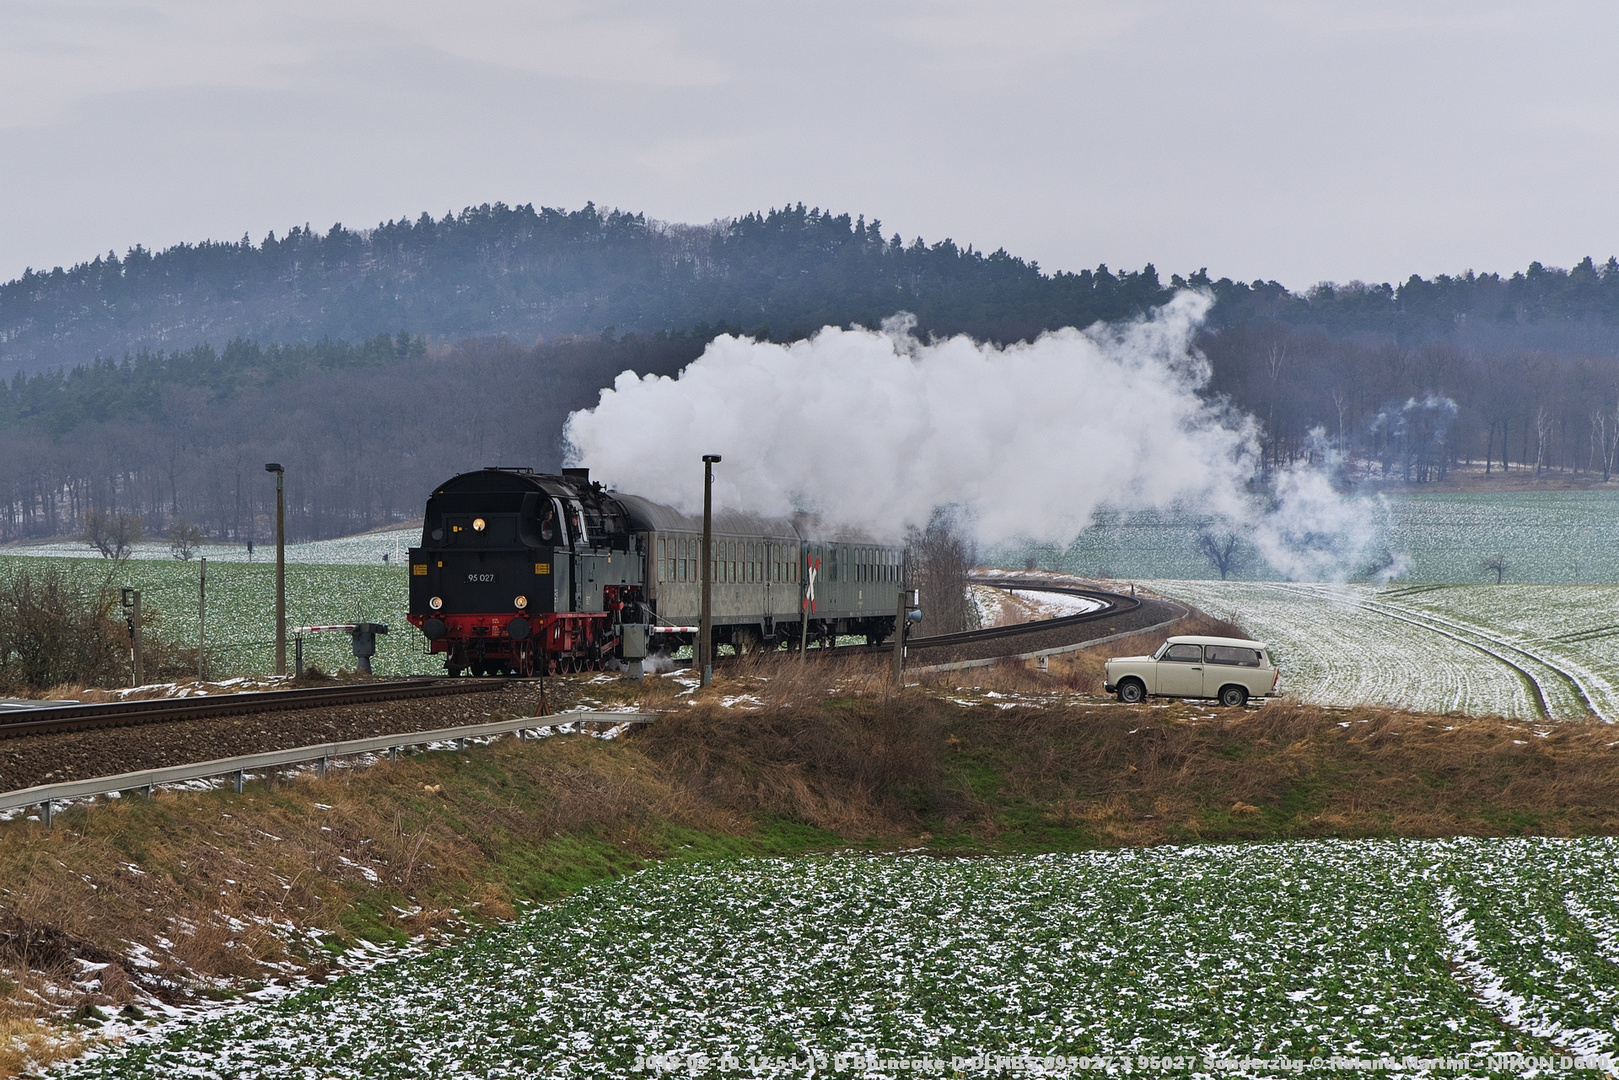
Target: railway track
{"type": "Point", "coordinates": [1113, 605]}
{"type": "Point", "coordinates": [59, 719]}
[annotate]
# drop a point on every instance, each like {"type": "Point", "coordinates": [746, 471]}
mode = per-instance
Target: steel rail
{"type": "Point", "coordinates": [60, 719]}
{"type": "Point", "coordinates": [1113, 604]}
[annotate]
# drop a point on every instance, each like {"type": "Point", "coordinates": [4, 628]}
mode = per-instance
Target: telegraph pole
{"type": "Point", "coordinates": [280, 569]}
{"type": "Point", "coordinates": [705, 630]}
{"type": "Point", "coordinates": [899, 639]}
{"type": "Point", "coordinates": [202, 615]}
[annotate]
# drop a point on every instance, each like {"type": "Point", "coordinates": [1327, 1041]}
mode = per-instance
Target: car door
{"type": "Point", "coordinates": [1180, 671]}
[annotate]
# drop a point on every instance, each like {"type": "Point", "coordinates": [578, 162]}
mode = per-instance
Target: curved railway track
{"type": "Point", "coordinates": [64, 718]}
{"type": "Point", "coordinates": [1113, 605]}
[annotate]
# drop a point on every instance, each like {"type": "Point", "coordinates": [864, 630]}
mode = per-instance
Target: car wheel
{"type": "Point", "coordinates": [1132, 692]}
{"type": "Point", "coordinates": [1233, 697]}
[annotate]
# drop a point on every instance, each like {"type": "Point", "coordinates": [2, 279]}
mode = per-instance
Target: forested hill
{"type": "Point", "coordinates": [529, 273]}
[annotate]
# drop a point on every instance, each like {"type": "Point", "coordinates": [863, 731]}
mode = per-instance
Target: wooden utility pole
{"type": "Point", "coordinates": [705, 629]}
{"type": "Point", "coordinates": [899, 641]}
{"type": "Point", "coordinates": [280, 569]}
{"type": "Point", "coordinates": [202, 615]}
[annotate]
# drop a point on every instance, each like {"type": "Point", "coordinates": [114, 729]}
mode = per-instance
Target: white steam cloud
{"type": "Point", "coordinates": [875, 429]}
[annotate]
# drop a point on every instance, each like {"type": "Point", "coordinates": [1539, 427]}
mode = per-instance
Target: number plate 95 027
{"type": "Point", "coordinates": [480, 579]}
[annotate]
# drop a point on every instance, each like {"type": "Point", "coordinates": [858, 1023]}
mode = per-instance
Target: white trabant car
{"type": "Point", "coordinates": [1231, 670]}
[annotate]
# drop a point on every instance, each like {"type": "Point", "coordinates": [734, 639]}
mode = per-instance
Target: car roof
{"type": "Point", "coordinates": [1198, 639]}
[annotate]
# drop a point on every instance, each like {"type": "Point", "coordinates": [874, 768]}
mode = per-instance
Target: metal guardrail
{"type": "Point", "coordinates": [45, 794]}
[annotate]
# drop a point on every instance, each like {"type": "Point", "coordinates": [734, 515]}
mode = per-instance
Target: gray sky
{"type": "Point", "coordinates": [1294, 140]}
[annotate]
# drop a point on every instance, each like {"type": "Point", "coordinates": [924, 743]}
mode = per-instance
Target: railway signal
{"type": "Point", "coordinates": [132, 614]}
{"type": "Point", "coordinates": [806, 607]}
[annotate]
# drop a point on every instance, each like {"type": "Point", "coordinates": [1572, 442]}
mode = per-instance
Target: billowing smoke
{"type": "Point", "coordinates": [875, 429]}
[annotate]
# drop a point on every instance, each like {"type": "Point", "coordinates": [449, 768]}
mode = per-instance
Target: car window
{"type": "Point", "coordinates": [1185, 654]}
{"type": "Point", "coordinates": [1232, 654]}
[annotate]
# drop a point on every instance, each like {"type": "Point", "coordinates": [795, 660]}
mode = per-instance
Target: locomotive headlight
{"type": "Point", "coordinates": [521, 602]}
{"type": "Point", "coordinates": [479, 524]}
{"type": "Point", "coordinates": [436, 602]}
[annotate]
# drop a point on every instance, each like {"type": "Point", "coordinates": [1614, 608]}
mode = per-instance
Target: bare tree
{"type": "Point", "coordinates": [1222, 549]}
{"type": "Point", "coordinates": [1543, 433]}
{"type": "Point", "coordinates": [938, 559]}
{"type": "Point", "coordinates": [114, 535]}
{"type": "Point", "coordinates": [184, 540]}
{"type": "Point", "coordinates": [1497, 565]}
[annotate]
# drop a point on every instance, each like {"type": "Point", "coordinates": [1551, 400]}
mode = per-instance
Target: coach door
{"type": "Point", "coordinates": [767, 562]}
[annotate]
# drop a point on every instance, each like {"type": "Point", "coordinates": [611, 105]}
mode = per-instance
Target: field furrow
{"type": "Point", "coordinates": [1336, 649]}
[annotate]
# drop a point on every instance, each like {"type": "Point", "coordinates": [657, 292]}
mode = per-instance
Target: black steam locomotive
{"type": "Point", "coordinates": [520, 572]}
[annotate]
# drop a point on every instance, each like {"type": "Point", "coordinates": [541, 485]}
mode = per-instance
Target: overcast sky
{"type": "Point", "coordinates": [1292, 140]}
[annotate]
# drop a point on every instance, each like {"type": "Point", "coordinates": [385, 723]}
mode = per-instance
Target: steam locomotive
{"type": "Point", "coordinates": [520, 572]}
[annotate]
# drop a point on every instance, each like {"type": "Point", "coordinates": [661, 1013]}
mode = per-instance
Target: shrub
{"type": "Point", "coordinates": [54, 632]}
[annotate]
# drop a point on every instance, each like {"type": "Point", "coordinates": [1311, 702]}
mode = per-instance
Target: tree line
{"type": "Point", "coordinates": [1412, 414]}
{"type": "Point", "coordinates": [364, 431]}
{"type": "Point", "coordinates": [532, 274]}
{"type": "Point", "coordinates": [1517, 372]}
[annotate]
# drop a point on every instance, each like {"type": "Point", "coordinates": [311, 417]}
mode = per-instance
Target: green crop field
{"type": "Point", "coordinates": [1292, 954]}
{"type": "Point", "coordinates": [241, 608]}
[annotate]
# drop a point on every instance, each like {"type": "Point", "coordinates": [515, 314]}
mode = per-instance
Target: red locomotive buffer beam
{"type": "Point", "coordinates": [522, 644]}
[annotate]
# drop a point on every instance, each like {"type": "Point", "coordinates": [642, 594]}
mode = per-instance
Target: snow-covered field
{"type": "Point", "coordinates": [998, 607]}
{"type": "Point", "coordinates": [365, 549]}
{"type": "Point", "coordinates": [1290, 954]}
{"type": "Point", "coordinates": [1531, 651]}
